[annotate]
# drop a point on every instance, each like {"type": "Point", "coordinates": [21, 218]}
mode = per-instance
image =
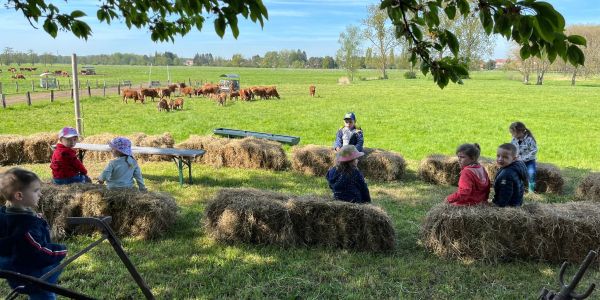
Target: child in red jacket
{"type": "Point", "coordinates": [474, 182]}
{"type": "Point", "coordinates": [66, 167]}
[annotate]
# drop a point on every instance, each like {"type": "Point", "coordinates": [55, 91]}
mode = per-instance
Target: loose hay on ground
{"type": "Point", "coordinates": [382, 165]}
{"type": "Point", "coordinates": [549, 232]}
{"type": "Point", "coordinates": [37, 147]}
{"type": "Point", "coordinates": [255, 216]}
{"type": "Point", "coordinates": [440, 169]}
{"type": "Point", "coordinates": [589, 188]}
{"type": "Point", "coordinates": [144, 215]}
{"type": "Point", "coordinates": [312, 159]}
{"type": "Point", "coordinates": [11, 149]}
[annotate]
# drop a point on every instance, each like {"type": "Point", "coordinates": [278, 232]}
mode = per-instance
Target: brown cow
{"type": "Point", "coordinates": [311, 90]}
{"type": "Point", "coordinates": [18, 76]}
{"type": "Point", "coordinates": [246, 94]}
{"type": "Point", "coordinates": [272, 92]}
{"type": "Point", "coordinates": [149, 93]}
{"type": "Point", "coordinates": [222, 98]}
{"type": "Point", "coordinates": [260, 92]}
{"type": "Point", "coordinates": [163, 105]}
{"type": "Point", "coordinates": [177, 103]}
{"type": "Point", "coordinates": [133, 94]}
{"type": "Point", "coordinates": [234, 95]}
{"type": "Point", "coordinates": [163, 93]}
{"type": "Point", "coordinates": [186, 91]}
{"type": "Point", "coordinates": [64, 74]}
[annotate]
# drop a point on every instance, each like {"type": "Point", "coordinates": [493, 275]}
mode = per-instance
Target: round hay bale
{"type": "Point", "coordinates": [382, 165]}
{"type": "Point", "coordinates": [255, 153]}
{"type": "Point", "coordinates": [589, 188]}
{"type": "Point", "coordinates": [312, 159]}
{"type": "Point", "coordinates": [37, 147]}
{"type": "Point", "coordinates": [549, 232]}
{"type": "Point", "coordinates": [548, 179]}
{"type": "Point", "coordinates": [211, 144]}
{"type": "Point", "coordinates": [11, 149]}
{"type": "Point", "coordinates": [255, 216]}
{"type": "Point", "coordinates": [440, 169]}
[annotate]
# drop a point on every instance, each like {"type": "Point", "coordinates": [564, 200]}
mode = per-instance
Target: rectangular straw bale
{"type": "Point", "coordinates": [255, 153]}
{"type": "Point", "coordinates": [440, 169]}
{"type": "Point", "coordinates": [379, 164]}
{"type": "Point", "coordinates": [491, 167]}
{"type": "Point", "coordinates": [589, 188]}
{"type": "Point", "coordinates": [38, 147]}
{"type": "Point", "coordinates": [312, 159]}
{"type": "Point", "coordinates": [213, 146]}
{"type": "Point", "coordinates": [97, 156]}
{"type": "Point", "coordinates": [164, 140]}
{"type": "Point", "coordinates": [11, 149]}
{"type": "Point", "coordinates": [548, 179]}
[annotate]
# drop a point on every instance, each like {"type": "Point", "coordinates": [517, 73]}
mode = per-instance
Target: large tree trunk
{"type": "Point", "coordinates": [540, 78]}
{"type": "Point", "coordinates": [573, 77]}
{"type": "Point", "coordinates": [526, 78]}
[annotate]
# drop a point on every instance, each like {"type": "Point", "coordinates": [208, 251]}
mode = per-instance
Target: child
{"type": "Point", "coordinates": [66, 167]}
{"type": "Point", "coordinates": [349, 134]}
{"type": "Point", "coordinates": [121, 171]}
{"type": "Point", "coordinates": [509, 184]}
{"type": "Point", "coordinates": [474, 182]}
{"type": "Point", "coordinates": [526, 149]}
{"type": "Point", "coordinates": [345, 180]}
{"type": "Point", "coordinates": [29, 249]}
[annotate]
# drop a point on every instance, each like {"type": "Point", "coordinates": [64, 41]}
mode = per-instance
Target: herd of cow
{"type": "Point", "coordinates": [209, 90]}
{"type": "Point", "coordinates": [16, 75]}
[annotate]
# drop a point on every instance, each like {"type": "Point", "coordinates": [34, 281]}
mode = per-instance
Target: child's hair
{"type": "Point", "coordinates": [510, 147]}
{"type": "Point", "coordinates": [471, 150]}
{"type": "Point", "coordinates": [14, 180]}
{"type": "Point", "coordinates": [345, 167]}
{"type": "Point", "coordinates": [520, 127]}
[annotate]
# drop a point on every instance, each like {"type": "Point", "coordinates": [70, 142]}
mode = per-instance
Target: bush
{"type": "Point", "coordinates": [410, 75]}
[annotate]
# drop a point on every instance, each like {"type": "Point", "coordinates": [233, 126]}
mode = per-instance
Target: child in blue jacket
{"type": "Point", "coordinates": [25, 245]}
{"type": "Point", "coordinates": [349, 134]}
{"type": "Point", "coordinates": [509, 185]}
{"type": "Point", "coordinates": [345, 180]}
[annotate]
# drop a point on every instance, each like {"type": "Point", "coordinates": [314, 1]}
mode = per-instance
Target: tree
{"type": "Point", "coordinates": [163, 18]}
{"type": "Point", "coordinates": [474, 43]}
{"type": "Point", "coordinates": [348, 56]}
{"type": "Point", "coordinates": [32, 56]}
{"type": "Point", "coordinates": [592, 52]}
{"type": "Point", "coordinates": [7, 55]}
{"type": "Point", "coordinates": [380, 34]}
{"type": "Point", "coordinates": [237, 60]}
{"type": "Point", "coordinates": [534, 25]}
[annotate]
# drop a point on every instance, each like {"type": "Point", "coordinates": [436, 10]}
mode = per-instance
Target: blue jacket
{"type": "Point", "coordinates": [348, 187]}
{"type": "Point", "coordinates": [509, 184]}
{"type": "Point", "coordinates": [357, 139]}
{"type": "Point", "coordinates": [25, 244]}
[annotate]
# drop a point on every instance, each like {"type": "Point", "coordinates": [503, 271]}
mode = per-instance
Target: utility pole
{"type": "Point", "coordinates": [78, 118]}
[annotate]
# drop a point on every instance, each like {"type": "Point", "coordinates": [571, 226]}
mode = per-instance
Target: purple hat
{"type": "Point", "coordinates": [121, 144]}
{"type": "Point", "coordinates": [67, 132]}
{"type": "Point", "coordinates": [348, 153]}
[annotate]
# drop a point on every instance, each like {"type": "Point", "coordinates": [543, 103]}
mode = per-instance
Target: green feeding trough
{"type": "Point", "coordinates": [236, 133]}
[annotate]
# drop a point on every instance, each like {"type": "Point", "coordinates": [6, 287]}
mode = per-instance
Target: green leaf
{"type": "Point", "coordinates": [577, 40]}
{"type": "Point", "coordinates": [551, 53]}
{"type": "Point", "coordinates": [77, 14]}
{"type": "Point", "coordinates": [575, 55]}
{"type": "Point", "coordinates": [525, 28]}
{"type": "Point", "coordinates": [424, 68]}
{"type": "Point", "coordinates": [220, 26]}
{"type": "Point", "coordinates": [486, 20]}
{"type": "Point", "coordinates": [543, 28]}
{"type": "Point", "coordinates": [452, 42]}
{"type": "Point", "coordinates": [50, 27]}
{"type": "Point", "coordinates": [524, 52]}
{"type": "Point", "coordinates": [416, 31]}
{"type": "Point", "coordinates": [450, 11]}
{"type": "Point", "coordinates": [463, 7]}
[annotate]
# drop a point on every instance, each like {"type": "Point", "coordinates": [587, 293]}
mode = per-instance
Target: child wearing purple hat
{"type": "Point", "coordinates": [121, 171]}
{"type": "Point", "coordinates": [345, 180]}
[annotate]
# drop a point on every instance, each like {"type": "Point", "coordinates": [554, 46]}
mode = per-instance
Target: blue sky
{"type": "Point", "coordinates": [310, 25]}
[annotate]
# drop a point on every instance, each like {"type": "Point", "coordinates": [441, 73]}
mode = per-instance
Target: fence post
{"type": "Point", "coordinates": [3, 100]}
{"type": "Point", "coordinates": [190, 81]}
{"type": "Point", "coordinates": [119, 88]}
{"type": "Point", "coordinates": [104, 91]}
{"type": "Point", "coordinates": [58, 84]}
{"type": "Point", "coordinates": [17, 86]}
{"type": "Point", "coordinates": [89, 91]}
{"type": "Point", "coordinates": [71, 94]}
{"type": "Point", "coordinates": [0, 87]}
{"type": "Point", "coordinates": [28, 99]}
{"type": "Point", "coordinates": [51, 95]}
{"type": "Point", "coordinates": [32, 86]}
{"type": "Point", "coordinates": [97, 83]}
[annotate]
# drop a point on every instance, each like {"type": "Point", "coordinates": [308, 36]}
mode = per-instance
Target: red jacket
{"type": "Point", "coordinates": [473, 186]}
{"type": "Point", "coordinates": [65, 164]}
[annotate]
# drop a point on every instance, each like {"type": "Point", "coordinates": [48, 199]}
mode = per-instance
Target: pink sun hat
{"type": "Point", "coordinates": [348, 153]}
{"type": "Point", "coordinates": [121, 144]}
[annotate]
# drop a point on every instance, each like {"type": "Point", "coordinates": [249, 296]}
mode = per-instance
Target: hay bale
{"type": "Point", "coordinates": [382, 165]}
{"type": "Point", "coordinates": [249, 152]}
{"type": "Point", "coordinates": [262, 217]}
{"type": "Point", "coordinates": [549, 232]}
{"type": "Point", "coordinates": [97, 156]}
{"type": "Point", "coordinates": [37, 147]}
{"type": "Point", "coordinates": [548, 179]}
{"type": "Point", "coordinates": [164, 140]}
{"type": "Point", "coordinates": [440, 169]}
{"type": "Point", "coordinates": [490, 167]}
{"type": "Point", "coordinates": [312, 159]}
{"type": "Point", "coordinates": [589, 188]}
{"type": "Point", "coordinates": [11, 149]}
{"type": "Point", "coordinates": [144, 215]}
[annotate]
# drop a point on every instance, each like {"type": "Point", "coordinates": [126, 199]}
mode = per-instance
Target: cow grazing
{"type": "Point", "coordinates": [260, 92]}
{"type": "Point", "coordinates": [164, 93]}
{"type": "Point", "coordinates": [64, 74]}
{"type": "Point", "coordinates": [246, 94]}
{"type": "Point", "coordinates": [18, 76]}
{"type": "Point", "coordinates": [311, 90]}
{"type": "Point", "coordinates": [149, 93]}
{"type": "Point", "coordinates": [163, 105]}
{"type": "Point", "coordinates": [233, 95]}
{"type": "Point", "coordinates": [13, 70]}
{"type": "Point", "coordinates": [186, 91]}
{"type": "Point", "coordinates": [177, 103]}
{"type": "Point", "coordinates": [132, 94]}
{"type": "Point", "coordinates": [272, 92]}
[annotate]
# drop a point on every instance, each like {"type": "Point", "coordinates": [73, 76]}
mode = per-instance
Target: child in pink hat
{"type": "Point", "coordinates": [345, 180]}
{"type": "Point", "coordinates": [121, 171]}
{"type": "Point", "coordinates": [66, 167]}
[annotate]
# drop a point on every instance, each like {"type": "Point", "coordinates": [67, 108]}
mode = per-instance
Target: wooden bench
{"type": "Point", "coordinates": [181, 157]}
{"type": "Point", "coordinates": [285, 139]}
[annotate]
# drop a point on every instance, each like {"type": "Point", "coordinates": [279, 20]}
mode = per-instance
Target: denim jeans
{"type": "Point", "coordinates": [75, 179]}
{"type": "Point", "coordinates": [531, 170]}
{"type": "Point", "coordinates": [37, 294]}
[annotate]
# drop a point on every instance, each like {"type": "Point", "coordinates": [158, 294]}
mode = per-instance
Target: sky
{"type": "Point", "coordinates": [310, 25]}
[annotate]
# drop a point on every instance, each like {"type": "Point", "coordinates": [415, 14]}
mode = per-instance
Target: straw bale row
{"type": "Point", "coordinates": [376, 164]}
{"type": "Point", "coordinates": [263, 217]}
{"type": "Point", "coordinates": [164, 140]}
{"type": "Point", "coordinates": [249, 152]}
{"type": "Point", "coordinates": [144, 215]}
{"type": "Point", "coordinates": [548, 232]}
{"type": "Point", "coordinates": [589, 188]}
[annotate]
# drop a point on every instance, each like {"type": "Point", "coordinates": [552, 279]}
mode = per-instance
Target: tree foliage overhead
{"type": "Point", "coordinates": [535, 25]}
{"type": "Point", "coordinates": [164, 18]}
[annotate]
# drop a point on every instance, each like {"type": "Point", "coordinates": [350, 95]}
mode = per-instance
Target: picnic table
{"type": "Point", "coordinates": [181, 157]}
{"type": "Point", "coordinates": [237, 133]}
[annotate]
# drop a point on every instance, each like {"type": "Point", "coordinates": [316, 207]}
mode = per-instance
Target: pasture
{"type": "Point", "coordinates": [412, 117]}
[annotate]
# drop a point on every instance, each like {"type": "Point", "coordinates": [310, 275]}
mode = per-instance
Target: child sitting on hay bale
{"type": "Point", "coordinates": [526, 149]}
{"type": "Point", "coordinates": [349, 134]}
{"type": "Point", "coordinates": [345, 180]}
{"type": "Point", "coordinates": [66, 167]}
{"type": "Point", "coordinates": [25, 244]}
{"type": "Point", "coordinates": [509, 183]}
{"type": "Point", "coordinates": [121, 171]}
{"type": "Point", "coordinates": [474, 183]}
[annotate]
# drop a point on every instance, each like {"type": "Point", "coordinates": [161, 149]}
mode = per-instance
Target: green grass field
{"type": "Point", "coordinates": [412, 117]}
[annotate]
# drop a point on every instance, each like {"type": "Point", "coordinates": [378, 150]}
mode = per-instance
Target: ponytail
{"type": "Point", "coordinates": [520, 127]}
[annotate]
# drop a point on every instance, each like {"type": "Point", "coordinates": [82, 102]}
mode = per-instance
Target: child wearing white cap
{"type": "Point", "coordinates": [121, 171]}
{"type": "Point", "coordinates": [66, 167]}
{"type": "Point", "coordinates": [349, 134]}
